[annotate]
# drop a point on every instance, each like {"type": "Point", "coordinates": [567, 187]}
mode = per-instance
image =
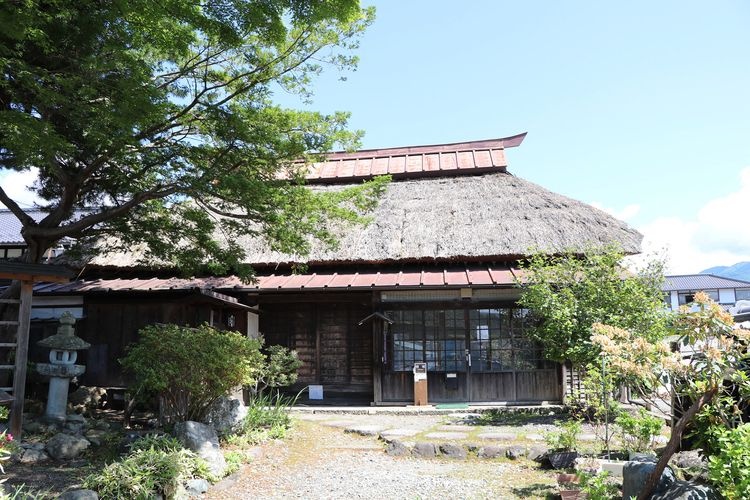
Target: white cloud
{"type": "Point", "coordinates": [625, 214]}
{"type": "Point", "coordinates": [16, 184]}
{"type": "Point", "coordinates": [716, 236]}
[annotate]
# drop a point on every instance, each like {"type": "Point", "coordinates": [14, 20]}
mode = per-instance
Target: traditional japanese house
{"type": "Point", "coordinates": [431, 279]}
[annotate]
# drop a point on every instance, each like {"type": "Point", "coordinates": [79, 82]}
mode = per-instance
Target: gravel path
{"type": "Point", "coordinates": [321, 462]}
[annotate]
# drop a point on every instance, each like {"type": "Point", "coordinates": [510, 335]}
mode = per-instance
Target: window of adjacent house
{"type": "Point", "coordinates": [742, 294]}
{"type": "Point", "coordinates": [688, 297]}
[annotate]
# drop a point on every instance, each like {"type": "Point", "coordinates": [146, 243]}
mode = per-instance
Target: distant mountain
{"type": "Point", "coordinates": [739, 271]}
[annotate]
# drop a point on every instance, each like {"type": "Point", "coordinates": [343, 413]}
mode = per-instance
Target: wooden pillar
{"type": "Point", "coordinates": [22, 354]}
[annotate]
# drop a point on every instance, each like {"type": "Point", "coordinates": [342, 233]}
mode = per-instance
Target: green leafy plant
{"type": "Point", "coordinates": [729, 468]}
{"type": "Point", "coordinates": [566, 438]}
{"type": "Point", "coordinates": [156, 465]}
{"type": "Point", "coordinates": [158, 442]}
{"type": "Point", "coordinates": [190, 368]}
{"type": "Point", "coordinates": [267, 418]}
{"type": "Point", "coordinates": [567, 294]}
{"type": "Point", "coordinates": [278, 370]}
{"type": "Point", "coordinates": [597, 486]}
{"type": "Point", "coordinates": [638, 431]}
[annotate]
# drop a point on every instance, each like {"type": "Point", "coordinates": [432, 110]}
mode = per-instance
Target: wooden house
{"type": "Point", "coordinates": [431, 279]}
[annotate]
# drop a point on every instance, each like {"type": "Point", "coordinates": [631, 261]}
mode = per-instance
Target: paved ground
{"type": "Point", "coordinates": [322, 461]}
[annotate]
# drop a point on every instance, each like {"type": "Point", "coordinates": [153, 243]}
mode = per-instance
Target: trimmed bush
{"type": "Point", "coordinates": [190, 368]}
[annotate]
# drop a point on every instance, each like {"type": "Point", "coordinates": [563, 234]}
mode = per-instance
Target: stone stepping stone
{"type": "Point", "coordinates": [398, 433]}
{"type": "Point", "coordinates": [497, 436]}
{"type": "Point", "coordinates": [587, 437]}
{"type": "Point", "coordinates": [365, 430]}
{"type": "Point", "coordinates": [338, 423]}
{"type": "Point", "coordinates": [534, 437]}
{"type": "Point", "coordinates": [458, 428]}
{"type": "Point", "coordinates": [446, 435]}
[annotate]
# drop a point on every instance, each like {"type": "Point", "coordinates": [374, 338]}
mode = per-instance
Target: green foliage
{"type": "Point", "coordinates": [157, 442]}
{"type": "Point", "coordinates": [598, 486]}
{"type": "Point", "coordinates": [4, 412]}
{"type": "Point", "coordinates": [596, 403]}
{"type": "Point", "coordinates": [638, 431]}
{"type": "Point", "coordinates": [234, 460]}
{"type": "Point", "coordinates": [279, 370]}
{"type": "Point", "coordinates": [568, 294]}
{"type": "Point", "coordinates": [144, 473]}
{"type": "Point", "coordinates": [729, 469]}
{"type": "Point", "coordinates": [190, 368]}
{"type": "Point", "coordinates": [566, 438]}
{"type": "Point", "coordinates": [159, 118]}
{"type": "Point", "coordinates": [267, 418]}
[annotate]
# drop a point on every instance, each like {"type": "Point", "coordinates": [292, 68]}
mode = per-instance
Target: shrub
{"type": "Point", "coordinates": [566, 438]}
{"type": "Point", "coordinates": [267, 418]}
{"type": "Point", "coordinates": [156, 465]}
{"type": "Point", "coordinates": [190, 368]}
{"type": "Point", "coordinates": [729, 469]}
{"type": "Point", "coordinates": [279, 370]}
{"type": "Point", "coordinates": [598, 486]}
{"type": "Point", "coordinates": [638, 431]}
{"type": "Point", "coordinates": [158, 442]}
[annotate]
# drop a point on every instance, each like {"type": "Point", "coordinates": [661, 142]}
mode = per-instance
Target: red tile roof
{"type": "Point", "coordinates": [413, 278]}
{"type": "Point", "coordinates": [462, 157]}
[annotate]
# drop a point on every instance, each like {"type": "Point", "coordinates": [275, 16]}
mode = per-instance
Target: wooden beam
{"type": "Point", "coordinates": [22, 354]}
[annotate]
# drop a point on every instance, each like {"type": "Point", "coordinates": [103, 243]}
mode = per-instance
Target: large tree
{"type": "Point", "coordinates": [155, 121]}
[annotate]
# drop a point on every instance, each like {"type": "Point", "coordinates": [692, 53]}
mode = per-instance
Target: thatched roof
{"type": "Point", "coordinates": [494, 216]}
{"type": "Point", "coordinates": [447, 203]}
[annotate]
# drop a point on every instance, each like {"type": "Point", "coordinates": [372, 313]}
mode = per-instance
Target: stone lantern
{"type": "Point", "coordinates": [64, 347]}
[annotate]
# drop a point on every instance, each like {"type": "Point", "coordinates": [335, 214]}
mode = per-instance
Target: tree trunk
{"type": "Point", "coordinates": [674, 442]}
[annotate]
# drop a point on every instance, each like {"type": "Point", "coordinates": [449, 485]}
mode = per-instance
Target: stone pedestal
{"type": "Point", "coordinates": [57, 397]}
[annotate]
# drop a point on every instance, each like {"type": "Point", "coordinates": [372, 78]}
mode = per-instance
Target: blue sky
{"type": "Point", "coordinates": [640, 107]}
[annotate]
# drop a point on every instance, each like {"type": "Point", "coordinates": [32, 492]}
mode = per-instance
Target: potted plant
{"type": "Point", "coordinates": [563, 444]}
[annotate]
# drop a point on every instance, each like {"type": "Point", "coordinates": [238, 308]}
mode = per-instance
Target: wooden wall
{"type": "Point", "coordinates": [110, 324]}
{"type": "Point", "coordinates": [322, 328]}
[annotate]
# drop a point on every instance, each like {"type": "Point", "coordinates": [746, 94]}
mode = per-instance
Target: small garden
{"type": "Point", "coordinates": [186, 426]}
{"type": "Point", "coordinates": [642, 367]}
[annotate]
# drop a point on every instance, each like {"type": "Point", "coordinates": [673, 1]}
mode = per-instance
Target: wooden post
{"type": "Point", "coordinates": [22, 354]}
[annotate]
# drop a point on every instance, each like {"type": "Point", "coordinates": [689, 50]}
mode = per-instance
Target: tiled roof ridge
{"type": "Point", "coordinates": [469, 157]}
{"type": "Point", "coordinates": [451, 147]}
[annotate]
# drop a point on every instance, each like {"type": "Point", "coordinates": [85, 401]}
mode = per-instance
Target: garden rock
{"type": "Point", "coordinates": [33, 456]}
{"type": "Point", "coordinates": [64, 446]}
{"type": "Point", "coordinates": [452, 450]}
{"type": "Point", "coordinates": [691, 459]}
{"type": "Point", "coordinates": [85, 399]}
{"type": "Point", "coordinates": [364, 430]}
{"type": "Point", "coordinates": [537, 453]}
{"type": "Point", "coordinates": [95, 436]}
{"type": "Point", "coordinates": [226, 415]}
{"type": "Point", "coordinates": [515, 452]}
{"type": "Point", "coordinates": [202, 439]}
{"type": "Point", "coordinates": [635, 474]}
{"type": "Point", "coordinates": [196, 487]}
{"type": "Point", "coordinates": [396, 448]}
{"type": "Point", "coordinates": [491, 452]}
{"type": "Point", "coordinates": [426, 450]}
{"type": "Point", "coordinates": [79, 495]}
{"type": "Point", "coordinates": [684, 490]}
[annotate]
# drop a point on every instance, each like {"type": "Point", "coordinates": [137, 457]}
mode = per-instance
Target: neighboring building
{"type": "Point", "coordinates": [431, 279]}
{"type": "Point", "coordinates": [12, 245]}
{"type": "Point", "coordinates": [680, 289]}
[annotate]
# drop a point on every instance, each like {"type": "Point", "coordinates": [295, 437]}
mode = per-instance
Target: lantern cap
{"type": "Point", "coordinates": [65, 339]}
